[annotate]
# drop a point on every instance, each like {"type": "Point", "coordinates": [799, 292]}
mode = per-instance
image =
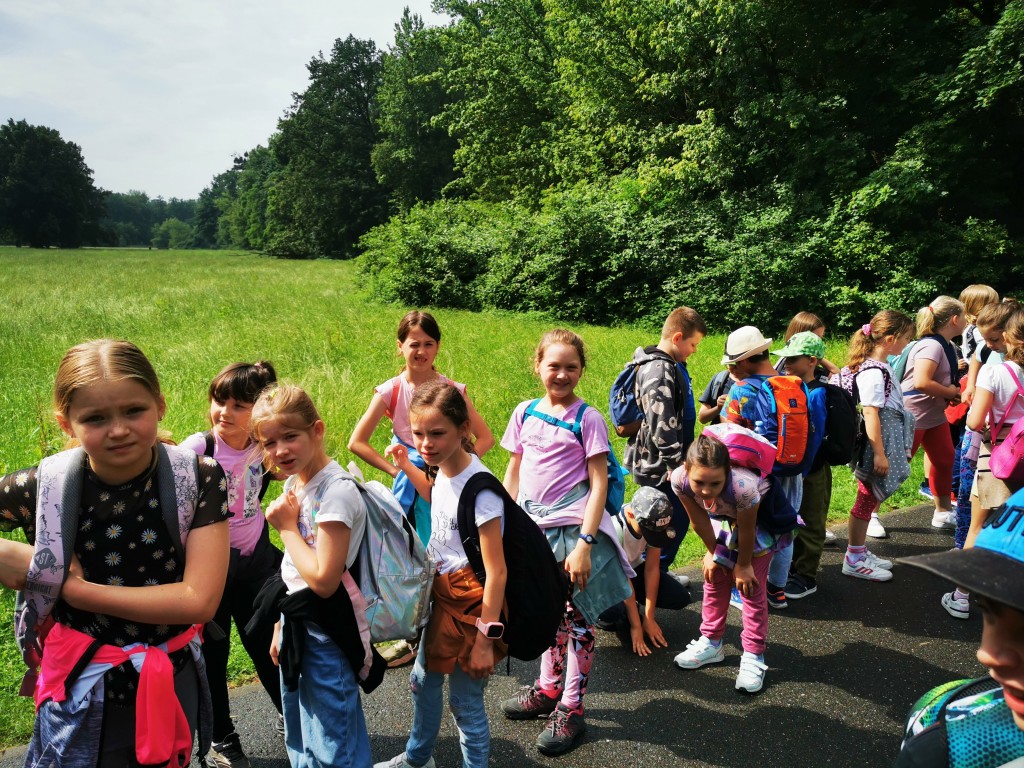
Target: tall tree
{"type": "Point", "coordinates": [47, 195]}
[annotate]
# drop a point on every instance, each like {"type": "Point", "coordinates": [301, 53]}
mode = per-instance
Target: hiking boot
{"type": "Point", "coordinates": [565, 726]}
{"type": "Point", "coordinates": [736, 599]}
{"type": "Point", "coordinates": [830, 538]}
{"type": "Point", "coordinates": [227, 753]}
{"type": "Point", "coordinates": [700, 652]}
{"type": "Point", "coordinates": [399, 761]}
{"type": "Point", "coordinates": [776, 597]}
{"type": "Point", "coordinates": [800, 586]}
{"type": "Point", "coordinates": [863, 569]}
{"type": "Point", "coordinates": [877, 562]}
{"type": "Point", "coordinates": [875, 528]}
{"type": "Point", "coordinates": [957, 608]}
{"type": "Point", "coordinates": [529, 703]}
{"type": "Point", "coordinates": [400, 654]}
{"type": "Point", "coordinates": [751, 676]}
{"type": "Point", "coordinates": [944, 520]}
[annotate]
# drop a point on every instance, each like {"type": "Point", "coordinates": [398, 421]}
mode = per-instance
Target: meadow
{"type": "Point", "coordinates": [193, 312]}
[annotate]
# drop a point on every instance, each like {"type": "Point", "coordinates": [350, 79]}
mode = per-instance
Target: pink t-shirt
{"type": "Point", "coordinates": [406, 389]}
{"type": "Point", "coordinates": [554, 461]}
{"type": "Point", "coordinates": [243, 471]}
{"type": "Point", "coordinates": [928, 411]}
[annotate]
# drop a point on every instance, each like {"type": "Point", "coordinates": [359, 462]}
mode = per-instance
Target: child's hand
{"type": "Point", "coordinates": [881, 464]}
{"type": "Point", "coordinates": [968, 395]}
{"type": "Point", "coordinates": [746, 581]}
{"type": "Point", "coordinates": [654, 633]}
{"type": "Point", "coordinates": [636, 636]}
{"type": "Point", "coordinates": [283, 512]}
{"type": "Point", "coordinates": [962, 364]}
{"type": "Point", "coordinates": [721, 401]}
{"type": "Point", "coordinates": [275, 645]}
{"type": "Point", "coordinates": [481, 658]}
{"type": "Point", "coordinates": [15, 559]}
{"type": "Point", "coordinates": [399, 456]}
{"type": "Point", "coordinates": [577, 565]}
{"type": "Point", "coordinates": [708, 567]}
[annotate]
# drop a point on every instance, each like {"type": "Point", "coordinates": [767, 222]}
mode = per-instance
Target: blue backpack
{"type": "Point", "coordinates": [616, 474]}
{"type": "Point", "coordinates": [622, 405]}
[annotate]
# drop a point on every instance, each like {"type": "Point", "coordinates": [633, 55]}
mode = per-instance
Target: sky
{"type": "Point", "coordinates": [161, 96]}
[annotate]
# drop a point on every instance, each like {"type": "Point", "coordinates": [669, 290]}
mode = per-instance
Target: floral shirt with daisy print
{"type": "Point", "coordinates": [122, 541]}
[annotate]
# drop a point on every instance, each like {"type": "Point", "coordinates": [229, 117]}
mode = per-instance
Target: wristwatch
{"type": "Point", "coordinates": [493, 630]}
{"type": "Point", "coordinates": [587, 537]}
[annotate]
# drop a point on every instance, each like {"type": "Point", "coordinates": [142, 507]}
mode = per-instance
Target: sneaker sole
{"type": "Point", "coordinates": [520, 715]}
{"type": "Point", "coordinates": [798, 595]}
{"type": "Point", "coordinates": [561, 749]}
{"type": "Point", "coordinates": [956, 614]}
{"type": "Point", "coordinates": [877, 535]}
{"type": "Point", "coordinates": [778, 606]}
{"type": "Point", "coordinates": [867, 576]}
{"type": "Point", "coordinates": [943, 526]}
{"type": "Point", "coordinates": [713, 660]}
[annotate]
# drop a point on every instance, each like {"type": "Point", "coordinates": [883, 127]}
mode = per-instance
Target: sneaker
{"type": "Point", "coordinates": [800, 586]}
{"type": "Point", "coordinates": [751, 676]}
{"type": "Point", "coordinates": [830, 538]}
{"type": "Point", "coordinates": [682, 578]}
{"type": "Point", "coordinates": [736, 599]}
{"type": "Point", "coordinates": [957, 608]}
{"type": "Point", "coordinates": [400, 654]}
{"type": "Point", "coordinates": [941, 519]}
{"type": "Point", "coordinates": [925, 490]}
{"type": "Point", "coordinates": [864, 570]}
{"type": "Point", "coordinates": [700, 652]}
{"type": "Point", "coordinates": [776, 596]}
{"type": "Point", "coordinates": [529, 703]}
{"type": "Point", "coordinates": [875, 528]}
{"type": "Point", "coordinates": [612, 625]}
{"type": "Point", "coordinates": [565, 726]}
{"type": "Point", "coordinates": [279, 725]}
{"type": "Point", "coordinates": [877, 562]}
{"type": "Point", "coordinates": [399, 761]}
{"type": "Point", "coordinates": [227, 753]}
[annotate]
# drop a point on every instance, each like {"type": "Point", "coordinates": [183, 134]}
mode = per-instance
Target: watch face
{"type": "Point", "coordinates": [495, 631]}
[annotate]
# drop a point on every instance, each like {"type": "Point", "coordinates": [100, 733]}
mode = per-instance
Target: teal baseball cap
{"type": "Point", "coordinates": [994, 567]}
{"type": "Point", "coordinates": [803, 343]}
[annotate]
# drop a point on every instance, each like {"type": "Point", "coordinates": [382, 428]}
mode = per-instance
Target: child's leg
{"type": "Point", "coordinates": [715, 608]}
{"type": "Point", "coordinates": [755, 609]}
{"type": "Point", "coordinates": [256, 643]}
{"type": "Point", "coordinates": [427, 706]}
{"type": "Point", "coordinates": [466, 699]}
{"type": "Point", "coordinates": [580, 657]}
{"type": "Point", "coordinates": [793, 489]}
{"type": "Point", "coordinates": [810, 540]}
{"type": "Point", "coordinates": [552, 662]}
{"type": "Point", "coordinates": [332, 730]}
{"type": "Point", "coordinates": [860, 515]}
{"type": "Point", "coordinates": [215, 653]}
{"type": "Point", "coordinates": [968, 467]}
{"type": "Point", "coordinates": [938, 447]}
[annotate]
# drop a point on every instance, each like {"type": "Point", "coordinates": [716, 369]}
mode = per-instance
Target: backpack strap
{"type": "Point", "coordinates": [886, 379]}
{"type": "Point", "coordinates": [389, 411]}
{"type": "Point", "coordinates": [1019, 393]}
{"type": "Point", "coordinates": [469, 533]}
{"type": "Point", "coordinates": [211, 444]}
{"type": "Point", "coordinates": [985, 353]}
{"type": "Point", "coordinates": [576, 426]}
{"type": "Point", "coordinates": [178, 479]}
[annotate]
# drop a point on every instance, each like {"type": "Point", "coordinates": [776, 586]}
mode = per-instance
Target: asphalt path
{"type": "Point", "coordinates": [845, 665]}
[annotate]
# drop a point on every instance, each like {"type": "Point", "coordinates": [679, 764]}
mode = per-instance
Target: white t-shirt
{"type": "Point", "coordinates": [331, 496]}
{"type": "Point", "coordinates": [871, 387]}
{"type": "Point", "coordinates": [997, 380]}
{"type": "Point", "coordinates": [445, 544]}
{"type": "Point", "coordinates": [633, 545]}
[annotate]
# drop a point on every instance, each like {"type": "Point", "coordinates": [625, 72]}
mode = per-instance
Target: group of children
{"type": "Point", "coordinates": [158, 553]}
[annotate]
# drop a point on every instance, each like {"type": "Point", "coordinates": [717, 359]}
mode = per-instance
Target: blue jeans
{"type": "Point", "coordinates": [323, 718]}
{"type": "Point", "coordinates": [793, 489]}
{"type": "Point", "coordinates": [466, 701]}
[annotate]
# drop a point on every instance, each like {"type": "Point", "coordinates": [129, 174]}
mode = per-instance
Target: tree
{"type": "Point", "coordinates": [46, 192]}
{"type": "Point", "coordinates": [172, 233]}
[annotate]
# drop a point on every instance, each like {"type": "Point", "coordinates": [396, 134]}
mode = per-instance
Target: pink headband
{"type": "Point", "coordinates": [866, 329]}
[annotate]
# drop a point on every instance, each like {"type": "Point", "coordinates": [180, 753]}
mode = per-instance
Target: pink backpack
{"type": "Point", "coordinates": [1007, 460]}
{"type": "Point", "coordinates": [746, 447]}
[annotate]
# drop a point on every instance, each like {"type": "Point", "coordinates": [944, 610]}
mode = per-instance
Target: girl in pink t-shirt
{"type": "Point", "coordinates": [560, 477]}
{"type": "Point", "coordinates": [254, 559]}
{"type": "Point", "coordinates": [419, 341]}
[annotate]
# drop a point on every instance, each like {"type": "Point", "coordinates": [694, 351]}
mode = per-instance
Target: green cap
{"type": "Point", "coordinates": [803, 343]}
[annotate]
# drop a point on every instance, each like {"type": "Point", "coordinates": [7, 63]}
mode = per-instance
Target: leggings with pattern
{"type": "Point", "coordinates": [571, 656]}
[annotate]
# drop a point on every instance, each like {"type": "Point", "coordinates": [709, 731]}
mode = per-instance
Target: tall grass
{"type": "Point", "coordinates": [194, 312]}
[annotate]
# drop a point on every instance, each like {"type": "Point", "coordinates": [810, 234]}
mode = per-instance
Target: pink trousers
{"type": "Point", "coordinates": [755, 608]}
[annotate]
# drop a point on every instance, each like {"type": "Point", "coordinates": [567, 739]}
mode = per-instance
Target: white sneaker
{"type": "Point", "coordinates": [399, 761]}
{"type": "Point", "coordinates": [681, 578]}
{"type": "Point", "coordinates": [875, 561]}
{"type": "Point", "coordinates": [864, 570]}
{"type": "Point", "coordinates": [700, 652]}
{"type": "Point", "coordinates": [830, 538]}
{"type": "Point", "coordinates": [751, 676]}
{"type": "Point", "coordinates": [875, 528]}
{"type": "Point", "coordinates": [944, 519]}
{"type": "Point", "coordinates": [957, 608]}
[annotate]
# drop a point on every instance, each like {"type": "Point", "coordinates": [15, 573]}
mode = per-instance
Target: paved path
{"type": "Point", "coordinates": [845, 665]}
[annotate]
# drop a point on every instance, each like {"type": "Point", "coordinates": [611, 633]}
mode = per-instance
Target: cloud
{"type": "Point", "coordinates": [161, 96]}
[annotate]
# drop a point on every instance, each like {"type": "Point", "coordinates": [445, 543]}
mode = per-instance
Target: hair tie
{"type": "Point", "coordinates": [866, 329]}
{"type": "Point", "coordinates": [929, 308]}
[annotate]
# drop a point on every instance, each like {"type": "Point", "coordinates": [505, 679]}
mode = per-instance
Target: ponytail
{"type": "Point", "coordinates": [937, 314]}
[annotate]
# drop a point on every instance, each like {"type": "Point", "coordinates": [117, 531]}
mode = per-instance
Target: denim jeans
{"type": "Point", "coordinates": [323, 717]}
{"type": "Point", "coordinates": [793, 489]}
{"type": "Point", "coordinates": [466, 701]}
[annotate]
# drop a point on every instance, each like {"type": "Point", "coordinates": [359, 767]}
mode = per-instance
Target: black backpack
{"type": "Point", "coordinates": [841, 425]}
{"type": "Point", "coordinates": [536, 589]}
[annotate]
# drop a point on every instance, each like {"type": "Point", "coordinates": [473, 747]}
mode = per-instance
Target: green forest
{"type": "Point", "coordinates": [604, 160]}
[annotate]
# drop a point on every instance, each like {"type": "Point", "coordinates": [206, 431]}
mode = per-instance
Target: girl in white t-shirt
{"type": "Point", "coordinates": [867, 375]}
{"type": "Point", "coordinates": [322, 519]}
{"type": "Point", "coordinates": [463, 639]}
{"type": "Point", "coordinates": [253, 558]}
{"type": "Point", "coordinates": [419, 341]}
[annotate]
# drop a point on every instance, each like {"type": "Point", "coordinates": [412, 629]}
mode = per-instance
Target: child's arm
{"type": "Point", "coordinates": [972, 380]}
{"type": "Point", "coordinates": [873, 427]}
{"type": "Point", "coordinates": [481, 658]}
{"type": "Point", "coordinates": [15, 559]}
{"type": "Point", "coordinates": [359, 442]}
{"type": "Point", "coordinates": [399, 454]}
{"type": "Point", "coordinates": [636, 630]}
{"type": "Point", "coordinates": [193, 600]}
{"type": "Point", "coordinates": [652, 582]}
{"type": "Point", "coordinates": [323, 567]}
{"type": "Point", "coordinates": [743, 571]}
{"type": "Point", "coordinates": [483, 440]}
{"type": "Point", "coordinates": [700, 522]}
{"type": "Point", "coordinates": [924, 370]}
{"type": "Point", "coordinates": [511, 481]}
{"type": "Point", "coordinates": [829, 366]}
{"type": "Point", "coordinates": [977, 417]}
{"type": "Point", "coordinates": [577, 564]}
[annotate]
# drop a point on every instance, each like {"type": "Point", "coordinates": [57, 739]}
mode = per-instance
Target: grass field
{"type": "Point", "coordinates": [194, 312]}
